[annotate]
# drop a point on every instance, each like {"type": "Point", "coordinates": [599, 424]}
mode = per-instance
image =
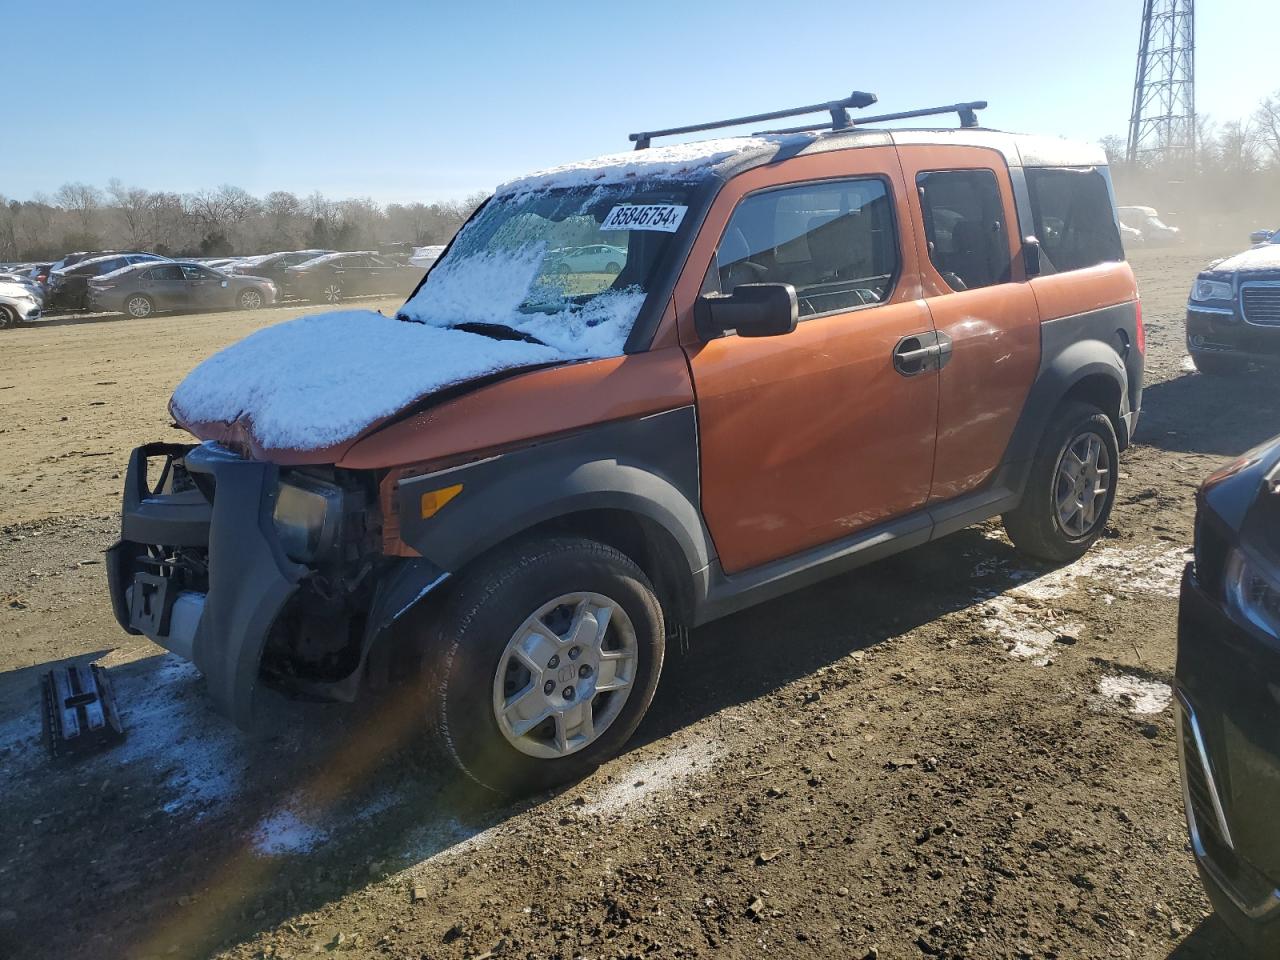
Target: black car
{"type": "Point", "coordinates": [145, 288]}
{"type": "Point", "coordinates": [341, 276]}
{"type": "Point", "coordinates": [274, 266]}
{"type": "Point", "coordinates": [1233, 314]}
{"type": "Point", "coordinates": [68, 289]}
{"type": "Point", "coordinates": [1228, 692]}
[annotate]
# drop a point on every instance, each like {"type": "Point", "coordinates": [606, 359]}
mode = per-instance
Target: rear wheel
{"type": "Point", "coordinates": [331, 292]}
{"type": "Point", "coordinates": [612, 267]}
{"type": "Point", "coordinates": [139, 305]}
{"type": "Point", "coordinates": [1071, 488]}
{"type": "Point", "coordinates": [1219, 366]}
{"type": "Point", "coordinates": [249, 299]}
{"type": "Point", "coordinates": [542, 663]}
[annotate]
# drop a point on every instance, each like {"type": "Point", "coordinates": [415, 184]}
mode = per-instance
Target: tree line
{"type": "Point", "coordinates": [226, 221]}
{"type": "Point", "coordinates": [1231, 182]}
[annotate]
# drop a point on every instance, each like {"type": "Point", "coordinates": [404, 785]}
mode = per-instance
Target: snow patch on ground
{"type": "Point", "coordinates": [1136, 694]}
{"type": "Point", "coordinates": [1029, 633]}
{"type": "Point", "coordinates": [319, 380]}
{"type": "Point", "coordinates": [1188, 365]}
{"type": "Point", "coordinates": [287, 832]}
{"type": "Point", "coordinates": [649, 780]}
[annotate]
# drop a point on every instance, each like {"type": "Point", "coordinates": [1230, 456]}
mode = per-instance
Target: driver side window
{"type": "Point", "coordinates": [834, 241]}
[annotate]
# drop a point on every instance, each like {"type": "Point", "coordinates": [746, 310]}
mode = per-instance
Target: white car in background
{"type": "Point", "coordinates": [1146, 221]}
{"type": "Point", "coordinates": [593, 258]}
{"type": "Point", "coordinates": [425, 256]}
{"type": "Point", "coordinates": [18, 304]}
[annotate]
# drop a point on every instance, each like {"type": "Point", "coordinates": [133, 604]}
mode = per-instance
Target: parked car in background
{"type": "Point", "coordinates": [1227, 683]}
{"type": "Point", "coordinates": [68, 289]}
{"type": "Point", "coordinates": [1264, 236]}
{"type": "Point", "coordinates": [1131, 236]}
{"type": "Point", "coordinates": [424, 257]}
{"type": "Point", "coordinates": [20, 277]}
{"type": "Point", "coordinates": [593, 258]}
{"type": "Point", "coordinates": [1233, 313]}
{"type": "Point", "coordinates": [339, 276]}
{"type": "Point", "coordinates": [274, 266]}
{"type": "Point", "coordinates": [1146, 221]}
{"type": "Point", "coordinates": [18, 304]}
{"type": "Point", "coordinates": [142, 289]}
{"type": "Point", "coordinates": [40, 274]}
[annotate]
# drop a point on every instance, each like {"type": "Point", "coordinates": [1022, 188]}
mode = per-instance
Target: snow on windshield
{"type": "Point", "coordinates": [538, 262]}
{"type": "Point", "coordinates": [320, 380]}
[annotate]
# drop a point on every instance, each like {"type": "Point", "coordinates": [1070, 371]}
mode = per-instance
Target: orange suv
{"type": "Point", "coordinates": [811, 348]}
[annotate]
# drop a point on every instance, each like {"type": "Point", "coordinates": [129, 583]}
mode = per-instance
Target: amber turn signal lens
{"type": "Point", "coordinates": [433, 501]}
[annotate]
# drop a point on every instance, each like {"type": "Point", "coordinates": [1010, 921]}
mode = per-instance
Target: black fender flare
{"type": "Point", "coordinates": [646, 466]}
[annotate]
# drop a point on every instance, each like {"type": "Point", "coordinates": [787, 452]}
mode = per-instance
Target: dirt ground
{"type": "Point", "coordinates": [953, 753]}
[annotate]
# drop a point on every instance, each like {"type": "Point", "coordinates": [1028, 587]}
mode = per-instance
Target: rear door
{"type": "Point", "coordinates": [968, 237]}
{"type": "Point", "coordinates": [813, 436]}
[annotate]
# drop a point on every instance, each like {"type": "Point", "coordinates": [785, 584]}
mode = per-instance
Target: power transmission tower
{"type": "Point", "coordinates": [1162, 126]}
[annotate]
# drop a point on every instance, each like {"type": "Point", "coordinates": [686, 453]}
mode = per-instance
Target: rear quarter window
{"type": "Point", "coordinates": [1074, 219]}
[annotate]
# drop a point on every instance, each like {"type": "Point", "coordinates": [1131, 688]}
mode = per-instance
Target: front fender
{"type": "Point", "coordinates": [647, 466]}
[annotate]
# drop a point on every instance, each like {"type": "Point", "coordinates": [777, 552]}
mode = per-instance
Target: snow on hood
{"type": "Point", "coordinates": [490, 287]}
{"type": "Point", "coordinates": [320, 380]}
{"type": "Point", "coordinates": [1266, 257]}
{"type": "Point", "coordinates": [681, 160]}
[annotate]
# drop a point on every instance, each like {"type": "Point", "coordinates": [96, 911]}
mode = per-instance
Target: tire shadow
{"type": "Point", "coordinates": [1222, 416]}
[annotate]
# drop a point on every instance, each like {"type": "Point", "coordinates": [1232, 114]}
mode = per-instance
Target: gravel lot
{"type": "Point", "coordinates": [953, 753]}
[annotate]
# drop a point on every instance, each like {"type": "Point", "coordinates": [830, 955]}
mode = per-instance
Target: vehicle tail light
{"type": "Point", "coordinates": [1141, 330]}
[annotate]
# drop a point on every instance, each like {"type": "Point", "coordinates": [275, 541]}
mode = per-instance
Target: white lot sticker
{"type": "Point", "coordinates": [645, 216]}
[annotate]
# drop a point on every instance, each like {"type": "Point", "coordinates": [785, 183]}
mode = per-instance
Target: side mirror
{"type": "Point", "coordinates": [1031, 256]}
{"type": "Point", "coordinates": [752, 310]}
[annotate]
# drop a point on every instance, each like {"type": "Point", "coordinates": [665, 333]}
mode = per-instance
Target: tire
{"type": "Point", "coordinates": [8, 318]}
{"type": "Point", "coordinates": [139, 306]}
{"type": "Point", "coordinates": [249, 299]}
{"type": "Point", "coordinates": [1219, 366]}
{"type": "Point", "coordinates": [331, 292]}
{"type": "Point", "coordinates": [471, 674]}
{"type": "Point", "coordinates": [1037, 526]}
{"type": "Point", "coordinates": [612, 267]}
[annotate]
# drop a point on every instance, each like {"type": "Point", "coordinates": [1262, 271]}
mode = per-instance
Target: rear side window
{"type": "Point", "coordinates": [964, 226]}
{"type": "Point", "coordinates": [834, 241]}
{"type": "Point", "coordinates": [1074, 221]}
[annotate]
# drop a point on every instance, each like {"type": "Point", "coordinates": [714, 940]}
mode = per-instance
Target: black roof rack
{"type": "Point", "coordinates": [966, 112]}
{"type": "Point", "coordinates": [839, 110]}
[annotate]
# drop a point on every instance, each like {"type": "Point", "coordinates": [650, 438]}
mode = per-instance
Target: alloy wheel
{"type": "Point", "coordinates": [1082, 483]}
{"type": "Point", "coordinates": [139, 307]}
{"type": "Point", "coordinates": [565, 675]}
{"type": "Point", "coordinates": [251, 300]}
{"type": "Point", "coordinates": [332, 293]}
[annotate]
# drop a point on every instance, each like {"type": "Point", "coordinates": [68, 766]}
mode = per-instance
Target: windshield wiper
{"type": "Point", "coordinates": [497, 331]}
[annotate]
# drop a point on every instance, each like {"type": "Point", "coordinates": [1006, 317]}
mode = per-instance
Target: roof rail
{"type": "Point", "coordinates": [966, 112]}
{"type": "Point", "coordinates": [839, 110]}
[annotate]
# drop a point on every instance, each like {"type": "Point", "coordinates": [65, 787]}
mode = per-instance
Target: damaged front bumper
{"type": "Point", "coordinates": [220, 617]}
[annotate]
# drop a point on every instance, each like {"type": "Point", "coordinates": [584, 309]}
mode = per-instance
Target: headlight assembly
{"type": "Point", "coordinates": [1253, 594]}
{"type": "Point", "coordinates": [308, 517]}
{"type": "Point", "coordinates": [1203, 290]}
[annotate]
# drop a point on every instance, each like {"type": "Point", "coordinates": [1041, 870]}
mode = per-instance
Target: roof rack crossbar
{"type": "Point", "coordinates": [966, 112]}
{"type": "Point", "coordinates": [839, 110]}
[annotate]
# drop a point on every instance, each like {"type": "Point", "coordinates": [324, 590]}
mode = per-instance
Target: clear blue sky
{"type": "Point", "coordinates": [425, 100]}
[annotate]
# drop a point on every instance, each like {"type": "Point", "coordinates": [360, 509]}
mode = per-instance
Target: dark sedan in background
{"type": "Point", "coordinates": [68, 288]}
{"type": "Point", "coordinates": [341, 276]}
{"type": "Point", "coordinates": [1228, 692]}
{"type": "Point", "coordinates": [143, 289]}
{"type": "Point", "coordinates": [274, 266]}
{"type": "Point", "coordinates": [1233, 314]}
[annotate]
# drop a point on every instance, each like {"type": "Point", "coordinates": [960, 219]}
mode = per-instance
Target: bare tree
{"type": "Point", "coordinates": [1266, 124]}
{"type": "Point", "coordinates": [82, 201]}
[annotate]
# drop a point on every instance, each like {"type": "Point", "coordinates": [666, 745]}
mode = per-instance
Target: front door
{"type": "Point", "coordinates": [813, 436]}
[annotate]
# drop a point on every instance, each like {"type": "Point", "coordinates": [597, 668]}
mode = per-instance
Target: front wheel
{"type": "Point", "coordinates": [249, 299]}
{"type": "Point", "coordinates": [542, 663]}
{"type": "Point", "coordinates": [1071, 487]}
{"type": "Point", "coordinates": [331, 292]}
{"type": "Point", "coordinates": [8, 318]}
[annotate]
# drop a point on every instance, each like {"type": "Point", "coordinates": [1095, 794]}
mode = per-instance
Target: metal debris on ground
{"type": "Point", "coordinates": [80, 714]}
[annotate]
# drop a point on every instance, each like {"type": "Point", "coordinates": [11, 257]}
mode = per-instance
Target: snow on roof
{"type": "Point", "coordinates": [320, 380]}
{"type": "Point", "coordinates": [89, 261]}
{"type": "Point", "coordinates": [326, 257]}
{"type": "Point", "coordinates": [263, 257]}
{"type": "Point", "coordinates": [676, 161]}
